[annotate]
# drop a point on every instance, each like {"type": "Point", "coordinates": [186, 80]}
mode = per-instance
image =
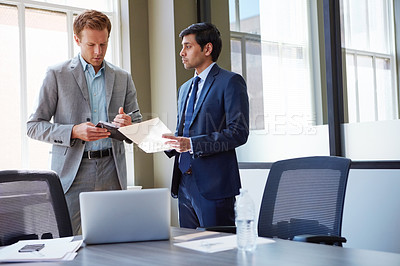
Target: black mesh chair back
{"type": "Point", "coordinates": [304, 196]}
{"type": "Point", "coordinates": [32, 206]}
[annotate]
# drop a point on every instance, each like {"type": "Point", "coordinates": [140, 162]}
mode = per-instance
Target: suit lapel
{"type": "Point", "coordinates": [109, 80]}
{"type": "Point", "coordinates": [79, 75]}
{"type": "Point", "coordinates": [206, 87]}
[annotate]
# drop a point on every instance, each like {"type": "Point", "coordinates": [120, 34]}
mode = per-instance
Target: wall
{"type": "Point", "coordinates": [372, 210]}
{"type": "Point", "coordinates": [372, 207]}
{"type": "Point", "coordinates": [140, 69]}
{"type": "Point", "coordinates": [163, 80]}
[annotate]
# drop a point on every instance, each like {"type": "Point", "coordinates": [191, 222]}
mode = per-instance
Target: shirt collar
{"type": "Point", "coordinates": [203, 75]}
{"type": "Point", "coordinates": [85, 65]}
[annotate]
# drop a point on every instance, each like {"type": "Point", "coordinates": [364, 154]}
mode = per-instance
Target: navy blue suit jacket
{"type": "Point", "coordinates": [220, 123]}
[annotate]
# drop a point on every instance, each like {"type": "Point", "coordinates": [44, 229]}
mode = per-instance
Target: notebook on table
{"type": "Point", "coordinates": [125, 215]}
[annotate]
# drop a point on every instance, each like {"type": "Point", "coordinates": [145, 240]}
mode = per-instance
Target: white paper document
{"type": "Point", "coordinates": [195, 236]}
{"type": "Point", "coordinates": [211, 245]}
{"type": "Point", "coordinates": [58, 249]}
{"type": "Point", "coordinates": [148, 135]}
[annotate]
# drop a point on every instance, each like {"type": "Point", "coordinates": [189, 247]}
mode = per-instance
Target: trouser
{"type": "Point", "coordinates": [197, 211]}
{"type": "Point", "coordinates": [93, 174]}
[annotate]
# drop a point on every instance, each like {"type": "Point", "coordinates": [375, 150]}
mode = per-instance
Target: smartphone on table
{"type": "Point", "coordinates": [31, 248]}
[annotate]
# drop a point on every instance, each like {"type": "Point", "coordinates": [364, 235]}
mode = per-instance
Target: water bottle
{"type": "Point", "coordinates": [244, 218]}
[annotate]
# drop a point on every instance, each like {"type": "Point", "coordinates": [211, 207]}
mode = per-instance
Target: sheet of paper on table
{"type": "Point", "coordinates": [58, 249]}
{"type": "Point", "coordinates": [211, 245]}
{"type": "Point", "coordinates": [148, 135]}
{"type": "Point", "coordinates": [195, 236]}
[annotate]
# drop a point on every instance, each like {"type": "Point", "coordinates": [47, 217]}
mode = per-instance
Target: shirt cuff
{"type": "Point", "coordinates": [191, 145]}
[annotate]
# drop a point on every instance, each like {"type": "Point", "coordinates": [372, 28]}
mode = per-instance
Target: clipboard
{"type": "Point", "coordinates": [113, 129]}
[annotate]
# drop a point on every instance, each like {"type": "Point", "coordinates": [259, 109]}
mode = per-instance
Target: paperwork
{"type": "Point", "coordinates": [58, 249]}
{"type": "Point", "coordinates": [211, 245]}
{"type": "Point", "coordinates": [195, 235]}
{"type": "Point", "coordinates": [148, 135]}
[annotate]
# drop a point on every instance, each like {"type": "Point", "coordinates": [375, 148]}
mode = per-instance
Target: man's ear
{"type": "Point", "coordinates": [208, 48]}
{"type": "Point", "coordinates": [78, 42]}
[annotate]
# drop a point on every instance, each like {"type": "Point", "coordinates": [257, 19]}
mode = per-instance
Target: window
{"type": "Point", "coordinates": [275, 47]}
{"type": "Point", "coordinates": [368, 44]}
{"type": "Point", "coordinates": [370, 79]}
{"type": "Point", "coordinates": [287, 55]}
{"type": "Point", "coordinates": [246, 60]}
{"type": "Point", "coordinates": [246, 55]}
{"type": "Point", "coordinates": [10, 89]}
{"type": "Point", "coordinates": [42, 28]}
{"type": "Point", "coordinates": [299, 79]}
{"type": "Point", "coordinates": [37, 34]}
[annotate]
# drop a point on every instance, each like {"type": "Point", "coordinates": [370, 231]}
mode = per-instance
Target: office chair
{"type": "Point", "coordinates": [32, 206]}
{"type": "Point", "coordinates": [303, 200]}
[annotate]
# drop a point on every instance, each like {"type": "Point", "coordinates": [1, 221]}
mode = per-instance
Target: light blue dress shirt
{"type": "Point", "coordinates": [98, 103]}
{"type": "Point", "coordinates": [203, 76]}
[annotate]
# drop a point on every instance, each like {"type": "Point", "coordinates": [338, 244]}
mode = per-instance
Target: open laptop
{"type": "Point", "coordinates": [125, 215]}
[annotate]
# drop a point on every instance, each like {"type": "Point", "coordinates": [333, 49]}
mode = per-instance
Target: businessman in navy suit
{"type": "Point", "coordinates": [213, 119]}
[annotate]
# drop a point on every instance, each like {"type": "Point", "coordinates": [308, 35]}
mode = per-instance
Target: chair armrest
{"type": "Point", "coordinates": [321, 239]}
{"type": "Point", "coordinates": [223, 229]}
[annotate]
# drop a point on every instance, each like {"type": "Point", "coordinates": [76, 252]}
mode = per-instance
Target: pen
{"type": "Point", "coordinates": [134, 111]}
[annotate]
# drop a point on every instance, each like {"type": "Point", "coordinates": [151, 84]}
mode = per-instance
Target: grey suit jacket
{"type": "Point", "coordinates": [64, 96]}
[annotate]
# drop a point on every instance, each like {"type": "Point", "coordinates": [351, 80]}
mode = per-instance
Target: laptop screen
{"type": "Point", "coordinates": [125, 215]}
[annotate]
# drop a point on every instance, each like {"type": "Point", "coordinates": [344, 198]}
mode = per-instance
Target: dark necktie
{"type": "Point", "coordinates": [184, 162]}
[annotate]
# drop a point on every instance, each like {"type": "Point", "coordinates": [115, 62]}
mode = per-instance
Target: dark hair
{"type": "Point", "coordinates": [205, 33]}
{"type": "Point", "coordinates": [91, 19]}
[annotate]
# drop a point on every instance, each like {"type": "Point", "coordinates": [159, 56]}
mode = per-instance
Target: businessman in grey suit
{"type": "Point", "coordinates": [77, 94]}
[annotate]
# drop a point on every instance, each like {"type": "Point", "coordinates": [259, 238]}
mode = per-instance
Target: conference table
{"type": "Point", "coordinates": [280, 252]}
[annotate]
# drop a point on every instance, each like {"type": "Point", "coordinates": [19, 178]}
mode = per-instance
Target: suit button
{"type": "Point", "coordinates": [88, 119]}
{"type": "Point", "coordinates": [83, 142]}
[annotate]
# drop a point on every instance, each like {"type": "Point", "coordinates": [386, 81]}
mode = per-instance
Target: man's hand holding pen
{"type": "Point", "coordinates": [122, 119]}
